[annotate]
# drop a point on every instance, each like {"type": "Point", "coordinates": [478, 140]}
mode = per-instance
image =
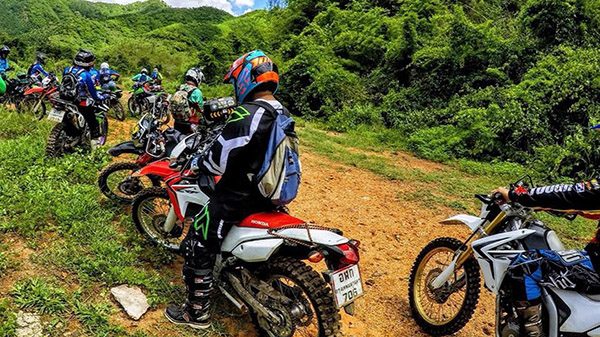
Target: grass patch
{"type": "Point", "coordinates": [41, 295]}
{"type": "Point", "coordinates": [8, 319]}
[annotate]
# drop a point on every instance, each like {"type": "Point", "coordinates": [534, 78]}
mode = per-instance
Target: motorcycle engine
{"type": "Point", "coordinates": [511, 329]}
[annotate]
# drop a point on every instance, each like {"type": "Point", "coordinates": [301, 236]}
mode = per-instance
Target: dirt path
{"type": "Point", "coordinates": [392, 231]}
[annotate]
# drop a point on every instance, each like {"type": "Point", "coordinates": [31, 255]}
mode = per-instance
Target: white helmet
{"type": "Point", "coordinates": [104, 66]}
{"type": "Point", "coordinates": [195, 75]}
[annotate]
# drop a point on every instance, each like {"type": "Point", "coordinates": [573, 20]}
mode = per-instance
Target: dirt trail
{"type": "Point", "coordinates": [392, 231]}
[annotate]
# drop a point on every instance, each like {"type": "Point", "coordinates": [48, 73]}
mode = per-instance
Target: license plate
{"type": "Point", "coordinates": [56, 115]}
{"type": "Point", "coordinates": [347, 285]}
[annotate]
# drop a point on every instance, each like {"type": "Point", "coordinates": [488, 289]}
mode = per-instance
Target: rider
{"type": "Point", "coordinates": [36, 71]}
{"type": "Point", "coordinates": [4, 64]}
{"type": "Point", "coordinates": [142, 77]}
{"type": "Point", "coordinates": [235, 156]}
{"type": "Point", "coordinates": [107, 77]}
{"type": "Point", "coordinates": [188, 101]}
{"type": "Point", "coordinates": [89, 97]}
{"type": "Point", "coordinates": [567, 270]}
{"type": "Point", "coordinates": [156, 76]}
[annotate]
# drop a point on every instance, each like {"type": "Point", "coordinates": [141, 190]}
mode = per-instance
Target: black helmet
{"type": "Point", "coordinates": [41, 58]}
{"type": "Point", "coordinates": [84, 58]}
{"type": "Point", "coordinates": [194, 75]}
{"type": "Point", "coordinates": [4, 50]}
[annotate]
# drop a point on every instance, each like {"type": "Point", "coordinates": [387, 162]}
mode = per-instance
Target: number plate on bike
{"type": "Point", "coordinates": [347, 285]}
{"type": "Point", "coordinates": [56, 116]}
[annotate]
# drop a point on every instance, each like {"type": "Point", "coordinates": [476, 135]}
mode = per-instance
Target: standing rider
{"type": "Point", "coordinates": [108, 77]}
{"type": "Point", "coordinates": [89, 97]}
{"type": "Point", "coordinates": [236, 156]}
{"type": "Point", "coordinates": [156, 76]}
{"type": "Point", "coordinates": [142, 77]}
{"type": "Point", "coordinates": [4, 64]}
{"type": "Point", "coordinates": [36, 71]}
{"type": "Point", "coordinates": [566, 270]}
{"type": "Point", "coordinates": [188, 101]}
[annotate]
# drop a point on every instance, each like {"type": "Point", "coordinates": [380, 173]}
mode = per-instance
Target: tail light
{"type": "Point", "coordinates": [315, 257]}
{"type": "Point", "coordinates": [350, 251]}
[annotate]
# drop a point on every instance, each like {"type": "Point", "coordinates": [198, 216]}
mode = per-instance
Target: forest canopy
{"type": "Point", "coordinates": [490, 80]}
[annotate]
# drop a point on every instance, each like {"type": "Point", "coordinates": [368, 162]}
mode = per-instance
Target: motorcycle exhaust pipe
{"type": "Point", "coordinates": [238, 304]}
{"type": "Point", "coordinates": [170, 221]}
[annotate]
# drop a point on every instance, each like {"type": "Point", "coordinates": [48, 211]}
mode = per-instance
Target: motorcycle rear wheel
{"type": "Point", "coordinates": [429, 307]}
{"type": "Point", "coordinates": [149, 211]}
{"type": "Point", "coordinates": [305, 286]}
{"type": "Point", "coordinates": [57, 146]}
{"type": "Point", "coordinates": [119, 111]}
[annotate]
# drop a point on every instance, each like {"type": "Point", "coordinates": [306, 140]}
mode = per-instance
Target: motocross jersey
{"type": "Point", "coordinates": [37, 72]}
{"type": "Point", "coordinates": [580, 198]}
{"type": "Point", "coordinates": [141, 78]}
{"type": "Point", "coordinates": [87, 86]}
{"type": "Point", "coordinates": [237, 156]}
{"type": "Point", "coordinates": [2, 86]}
{"type": "Point", "coordinates": [3, 65]}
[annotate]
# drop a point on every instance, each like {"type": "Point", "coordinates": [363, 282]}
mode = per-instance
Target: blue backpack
{"type": "Point", "coordinates": [281, 172]}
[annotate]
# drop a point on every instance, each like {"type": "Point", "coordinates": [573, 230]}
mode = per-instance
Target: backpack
{"type": "Point", "coordinates": [69, 86]}
{"type": "Point", "coordinates": [180, 105]}
{"type": "Point", "coordinates": [281, 172]}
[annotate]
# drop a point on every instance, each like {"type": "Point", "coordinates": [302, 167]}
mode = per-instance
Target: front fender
{"type": "Point", "coordinates": [125, 147]}
{"type": "Point", "coordinates": [33, 91]}
{"type": "Point", "coordinates": [158, 168]}
{"type": "Point", "coordinates": [470, 221]}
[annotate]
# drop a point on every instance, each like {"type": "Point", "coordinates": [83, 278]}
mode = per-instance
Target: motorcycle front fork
{"type": "Point", "coordinates": [171, 220]}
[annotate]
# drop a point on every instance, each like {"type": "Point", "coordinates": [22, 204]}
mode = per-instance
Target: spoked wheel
{"type": "Point", "coordinates": [61, 143]}
{"type": "Point", "coordinates": [446, 310]}
{"type": "Point", "coordinates": [310, 309]}
{"type": "Point", "coordinates": [132, 106]}
{"type": "Point", "coordinates": [150, 211]}
{"type": "Point", "coordinates": [117, 184]}
{"type": "Point", "coordinates": [39, 109]}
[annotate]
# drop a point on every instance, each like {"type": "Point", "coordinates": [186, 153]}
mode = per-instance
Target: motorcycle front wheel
{"type": "Point", "coordinates": [443, 311]}
{"type": "Point", "coordinates": [150, 210]}
{"type": "Point", "coordinates": [117, 184]}
{"type": "Point", "coordinates": [119, 111]}
{"type": "Point", "coordinates": [312, 310]}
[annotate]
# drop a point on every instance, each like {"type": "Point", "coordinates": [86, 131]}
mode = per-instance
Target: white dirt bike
{"type": "Point", "coordinates": [445, 278]}
{"type": "Point", "coordinates": [260, 268]}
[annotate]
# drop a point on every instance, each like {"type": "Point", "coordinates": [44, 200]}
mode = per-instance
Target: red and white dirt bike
{"type": "Point", "coordinates": [37, 97]}
{"type": "Point", "coordinates": [261, 267]}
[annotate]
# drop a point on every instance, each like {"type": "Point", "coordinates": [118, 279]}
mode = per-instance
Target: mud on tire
{"type": "Point", "coordinates": [314, 286]}
{"type": "Point", "coordinates": [473, 283]}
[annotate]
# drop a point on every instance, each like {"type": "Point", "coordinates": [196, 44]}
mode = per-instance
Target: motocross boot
{"type": "Point", "coordinates": [531, 316]}
{"type": "Point", "coordinates": [195, 312]}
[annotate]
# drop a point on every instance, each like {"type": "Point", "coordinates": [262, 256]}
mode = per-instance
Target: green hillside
{"type": "Point", "coordinates": [493, 80]}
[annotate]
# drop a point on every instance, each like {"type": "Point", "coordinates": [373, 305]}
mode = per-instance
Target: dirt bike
{"type": "Point", "coordinates": [37, 96]}
{"type": "Point", "coordinates": [15, 92]}
{"type": "Point", "coordinates": [260, 267]}
{"type": "Point", "coordinates": [142, 98]}
{"type": "Point", "coordinates": [114, 102]}
{"type": "Point", "coordinates": [72, 131]}
{"type": "Point", "coordinates": [149, 143]}
{"type": "Point", "coordinates": [445, 278]}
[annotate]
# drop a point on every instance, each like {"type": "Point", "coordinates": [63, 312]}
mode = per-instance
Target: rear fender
{"type": "Point", "coordinates": [125, 147]}
{"type": "Point", "coordinates": [470, 221]}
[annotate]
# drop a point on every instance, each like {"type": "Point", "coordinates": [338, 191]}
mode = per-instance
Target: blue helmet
{"type": "Point", "coordinates": [250, 71]}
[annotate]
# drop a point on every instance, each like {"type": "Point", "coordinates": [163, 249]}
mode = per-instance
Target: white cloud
{"type": "Point", "coordinates": [244, 3]}
{"type": "Point", "coordinates": [225, 5]}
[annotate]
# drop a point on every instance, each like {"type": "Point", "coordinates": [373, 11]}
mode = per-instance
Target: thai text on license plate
{"type": "Point", "coordinates": [56, 115]}
{"type": "Point", "coordinates": [347, 285]}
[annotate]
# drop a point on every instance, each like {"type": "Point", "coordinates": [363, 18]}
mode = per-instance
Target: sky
{"type": "Point", "coordinates": [237, 7]}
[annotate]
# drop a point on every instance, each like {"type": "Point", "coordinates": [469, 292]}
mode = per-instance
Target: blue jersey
{"type": "Point", "coordinates": [87, 86]}
{"type": "Point", "coordinates": [106, 75]}
{"type": "Point", "coordinates": [95, 74]}
{"type": "Point", "coordinates": [37, 71]}
{"type": "Point", "coordinates": [3, 65]}
{"type": "Point", "coordinates": [141, 78]}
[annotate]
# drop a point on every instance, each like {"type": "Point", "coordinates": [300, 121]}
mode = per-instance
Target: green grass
{"type": "Point", "coordinates": [8, 319]}
{"type": "Point", "coordinates": [450, 187]}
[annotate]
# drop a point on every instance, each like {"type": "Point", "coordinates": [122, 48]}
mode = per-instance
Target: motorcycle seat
{"type": "Point", "coordinates": [594, 297]}
{"type": "Point", "coordinates": [270, 220]}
